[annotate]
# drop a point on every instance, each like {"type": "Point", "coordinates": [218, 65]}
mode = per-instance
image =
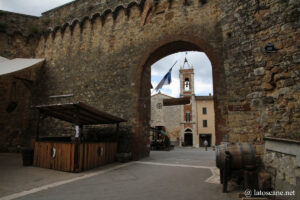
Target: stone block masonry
{"type": "Point", "coordinates": [16, 127]}
{"type": "Point", "coordinates": [19, 34]}
{"type": "Point", "coordinates": [102, 53]}
{"type": "Point", "coordinates": [269, 85]}
{"type": "Point", "coordinates": [282, 161]}
{"type": "Point", "coordinates": [100, 59]}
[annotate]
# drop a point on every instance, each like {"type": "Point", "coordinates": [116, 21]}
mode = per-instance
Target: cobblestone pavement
{"type": "Point", "coordinates": [178, 174]}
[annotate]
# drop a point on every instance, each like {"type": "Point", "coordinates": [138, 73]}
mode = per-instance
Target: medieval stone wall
{"type": "Point", "coordinates": [18, 34]}
{"type": "Point", "coordinates": [104, 62]}
{"type": "Point", "coordinates": [79, 9]}
{"type": "Point", "coordinates": [104, 59]}
{"type": "Point", "coordinates": [16, 128]}
{"type": "Point", "coordinates": [18, 23]}
{"type": "Point", "coordinates": [282, 161]}
{"type": "Point", "coordinates": [268, 82]}
{"type": "Point", "coordinates": [282, 168]}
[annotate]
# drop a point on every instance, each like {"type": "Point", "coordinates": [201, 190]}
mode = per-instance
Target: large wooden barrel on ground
{"type": "Point", "coordinates": [221, 150]}
{"type": "Point", "coordinates": [242, 155]}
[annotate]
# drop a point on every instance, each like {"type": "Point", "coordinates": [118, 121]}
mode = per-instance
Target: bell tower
{"type": "Point", "coordinates": [189, 135]}
{"type": "Point", "coordinates": [186, 75]}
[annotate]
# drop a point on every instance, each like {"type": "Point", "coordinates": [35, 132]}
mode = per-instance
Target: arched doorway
{"type": "Point", "coordinates": [159, 50]}
{"type": "Point", "coordinates": [188, 137]}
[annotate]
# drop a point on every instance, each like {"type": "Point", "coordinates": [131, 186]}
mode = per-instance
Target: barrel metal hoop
{"type": "Point", "coordinates": [242, 155]}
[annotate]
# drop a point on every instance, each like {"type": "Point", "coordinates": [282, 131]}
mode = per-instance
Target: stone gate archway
{"type": "Point", "coordinates": [103, 56]}
{"type": "Point", "coordinates": [164, 48]}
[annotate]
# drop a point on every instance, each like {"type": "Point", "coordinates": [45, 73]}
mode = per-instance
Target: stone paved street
{"type": "Point", "coordinates": [178, 174]}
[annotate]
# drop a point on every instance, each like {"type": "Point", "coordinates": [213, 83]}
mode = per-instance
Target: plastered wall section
{"type": "Point", "coordinates": [210, 117]}
{"type": "Point", "coordinates": [167, 116]}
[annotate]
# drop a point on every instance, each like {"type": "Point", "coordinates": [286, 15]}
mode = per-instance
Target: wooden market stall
{"type": "Point", "coordinates": [74, 154]}
{"type": "Point", "coordinates": [159, 139]}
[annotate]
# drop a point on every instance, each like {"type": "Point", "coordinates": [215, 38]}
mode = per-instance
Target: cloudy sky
{"type": "Point", "coordinates": [30, 7]}
{"type": "Point", "coordinates": [202, 69]}
{"type": "Point", "coordinates": [202, 65]}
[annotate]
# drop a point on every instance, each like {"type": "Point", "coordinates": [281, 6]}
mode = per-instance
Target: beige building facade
{"type": "Point", "coordinates": [206, 119]}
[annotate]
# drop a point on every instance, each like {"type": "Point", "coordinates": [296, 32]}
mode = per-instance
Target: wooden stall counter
{"type": "Point", "coordinates": [73, 157]}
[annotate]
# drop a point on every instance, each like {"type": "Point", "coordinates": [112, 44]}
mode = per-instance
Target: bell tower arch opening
{"type": "Point", "coordinates": [187, 84]}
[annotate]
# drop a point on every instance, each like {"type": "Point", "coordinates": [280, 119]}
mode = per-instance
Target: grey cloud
{"type": "Point", "coordinates": [30, 7]}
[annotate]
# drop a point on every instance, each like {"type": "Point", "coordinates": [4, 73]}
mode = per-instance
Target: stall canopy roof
{"type": "Point", "coordinates": [2, 59]}
{"type": "Point", "coordinates": [8, 66]}
{"type": "Point", "coordinates": [159, 131]}
{"type": "Point", "coordinates": [79, 113]}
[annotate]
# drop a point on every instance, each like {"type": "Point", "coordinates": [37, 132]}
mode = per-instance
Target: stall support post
{"type": "Point", "coordinates": [76, 150]}
{"type": "Point", "coordinates": [78, 126]}
{"type": "Point", "coordinates": [117, 130]}
{"type": "Point", "coordinates": [37, 134]}
{"type": "Point", "coordinates": [77, 141]}
{"type": "Point", "coordinates": [118, 136]}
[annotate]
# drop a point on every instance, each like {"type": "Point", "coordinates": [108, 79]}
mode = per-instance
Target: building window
{"type": "Point", "coordinates": [204, 110]}
{"type": "Point", "coordinates": [188, 117]}
{"type": "Point", "coordinates": [204, 123]}
{"type": "Point", "coordinates": [187, 84]}
{"type": "Point", "coordinates": [159, 105]}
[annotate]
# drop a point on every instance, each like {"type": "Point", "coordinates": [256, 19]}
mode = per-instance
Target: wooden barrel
{"type": "Point", "coordinates": [242, 155]}
{"type": "Point", "coordinates": [220, 154]}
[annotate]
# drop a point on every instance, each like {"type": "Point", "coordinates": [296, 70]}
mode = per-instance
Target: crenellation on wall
{"type": "Point", "coordinates": [65, 16]}
{"type": "Point", "coordinates": [12, 23]}
{"type": "Point", "coordinates": [82, 9]}
{"type": "Point", "coordinates": [109, 18]}
{"type": "Point", "coordinates": [19, 34]}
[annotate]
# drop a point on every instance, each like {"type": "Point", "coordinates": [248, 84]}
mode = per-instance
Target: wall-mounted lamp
{"type": "Point", "coordinates": [270, 48]}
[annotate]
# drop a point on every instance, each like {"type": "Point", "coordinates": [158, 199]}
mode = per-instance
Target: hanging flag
{"type": "Point", "coordinates": [166, 79]}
